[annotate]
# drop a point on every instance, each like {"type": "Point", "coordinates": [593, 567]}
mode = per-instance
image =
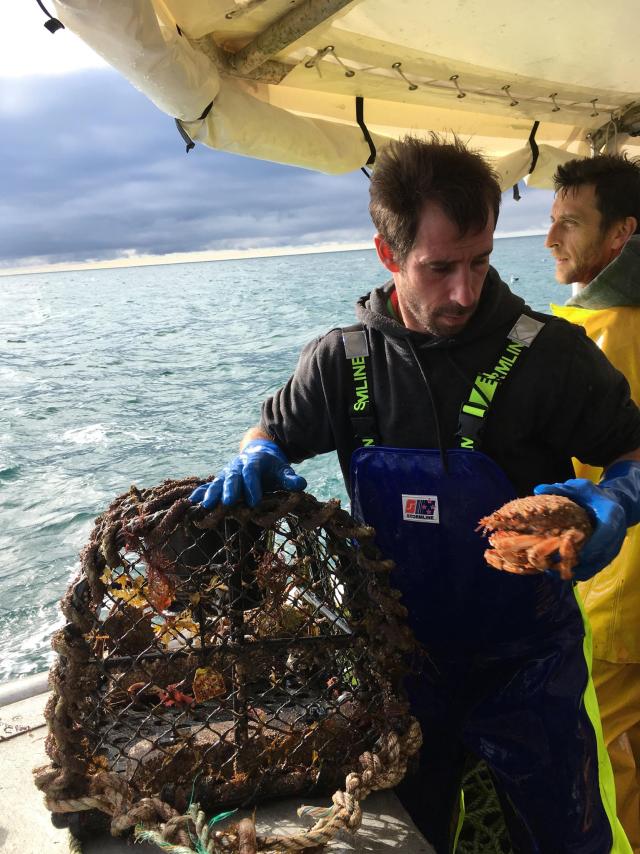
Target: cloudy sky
{"type": "Point", "coordinates": [91, 170]}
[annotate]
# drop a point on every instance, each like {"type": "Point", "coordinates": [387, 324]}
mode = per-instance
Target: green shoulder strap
{"type": "Point", "coordinates": [361, 406]}
{"type": "Point", "coordinates": [474, 410]}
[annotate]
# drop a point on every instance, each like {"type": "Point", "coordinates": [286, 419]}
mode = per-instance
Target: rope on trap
{"type": "Point", "coordinates": [381, 769]}
{"type": "Point", "coordinates": [157, 822]}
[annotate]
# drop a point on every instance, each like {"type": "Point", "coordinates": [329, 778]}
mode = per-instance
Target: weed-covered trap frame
{"type": "Point", "coordinates": [214, 660]}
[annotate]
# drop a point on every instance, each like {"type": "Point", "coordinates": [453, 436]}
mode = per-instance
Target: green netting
{"type": "Point", "coordinates": [484, 830]}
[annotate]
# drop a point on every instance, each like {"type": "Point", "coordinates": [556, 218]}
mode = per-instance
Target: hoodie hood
{"type": "Point", "coordinates": [497, 306]}
{"type": "Point", "coordinates": [617, 285]}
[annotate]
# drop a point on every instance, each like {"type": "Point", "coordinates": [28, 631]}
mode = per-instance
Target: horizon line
{"type": "Point", "coordinates": [209, 256]}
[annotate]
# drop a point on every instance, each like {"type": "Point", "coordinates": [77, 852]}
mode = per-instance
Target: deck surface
{"type": "Point", "coordinates": [25, 824]}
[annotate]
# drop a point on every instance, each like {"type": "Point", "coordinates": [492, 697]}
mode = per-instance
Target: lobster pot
{"type": "Point", "coordinates": [223, 657]}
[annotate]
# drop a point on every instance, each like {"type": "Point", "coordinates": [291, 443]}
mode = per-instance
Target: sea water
{"type": "Point", "coordinates": [119, 376]}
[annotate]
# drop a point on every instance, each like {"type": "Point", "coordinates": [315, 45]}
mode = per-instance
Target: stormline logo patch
{"type": "Point", "coordinates": [420, 508]}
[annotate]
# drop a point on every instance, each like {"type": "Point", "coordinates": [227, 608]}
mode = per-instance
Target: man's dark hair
{"type": "Point", "coordinates": [617, 185]}
{"type": "Point", "coordinates": [410, 172]}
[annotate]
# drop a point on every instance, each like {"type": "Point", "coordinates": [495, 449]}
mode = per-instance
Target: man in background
{"type": "Point", "coordinates": [595, 240]}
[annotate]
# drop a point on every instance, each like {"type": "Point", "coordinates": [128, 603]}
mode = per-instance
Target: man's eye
{"type": "Point", "coordinates": [440, 268]}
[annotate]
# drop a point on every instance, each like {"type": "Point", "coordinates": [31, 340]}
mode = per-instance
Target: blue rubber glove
{"type": "Point", "coordinates": [259, 466]}
{"type": "Point", "coordinates": [614, 505]}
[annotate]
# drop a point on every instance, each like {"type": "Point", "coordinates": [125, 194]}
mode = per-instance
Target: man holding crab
{"type": "Point", "coordinates": [447, 399]}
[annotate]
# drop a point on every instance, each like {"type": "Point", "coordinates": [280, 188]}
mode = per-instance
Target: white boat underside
{"type": "Point", "coordinates": [279, 79]}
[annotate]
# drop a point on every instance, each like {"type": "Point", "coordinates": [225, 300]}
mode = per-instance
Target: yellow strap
{"type": "Point", "coordinates": [605, 773]}
{"type": "Point", "coordinates": [461, 815]}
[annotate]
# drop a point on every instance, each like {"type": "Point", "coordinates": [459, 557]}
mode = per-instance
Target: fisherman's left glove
{"type": "Point", "coordinates": [260, 465]}
{"type": "Point", "coordinates": [614, 506]}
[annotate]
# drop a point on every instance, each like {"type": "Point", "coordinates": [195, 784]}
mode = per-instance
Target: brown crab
{"type": "Point", "coordinates": [526, 533]}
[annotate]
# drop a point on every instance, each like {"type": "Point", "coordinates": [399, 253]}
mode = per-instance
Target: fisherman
{"type": "Point", "coordinates": [595, 239]}
{"type": "Point", "coordinates": [447, 399]}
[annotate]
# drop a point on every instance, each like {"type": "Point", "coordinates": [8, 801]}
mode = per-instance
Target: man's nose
{"type": "Point", "coordinates": [462, 291]}
{"type": "Point", "coordinates": [551, 239]}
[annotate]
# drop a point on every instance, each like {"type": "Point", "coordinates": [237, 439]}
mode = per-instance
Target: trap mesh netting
{"type": "Point", "coordinates": [216, 659]}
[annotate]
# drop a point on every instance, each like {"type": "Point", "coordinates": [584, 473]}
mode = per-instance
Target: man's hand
{"type": "Point", "coordinates": [614, 506]}
{"type": "Point", "coordinates": [259, 466]}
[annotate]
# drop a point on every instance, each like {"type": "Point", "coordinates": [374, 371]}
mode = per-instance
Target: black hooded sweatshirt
{"type": "Point", "coordinates": [562, 399]}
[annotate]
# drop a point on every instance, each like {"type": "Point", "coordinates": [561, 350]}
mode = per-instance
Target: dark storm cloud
{"type": "Point", "coordinates": [90, 169]}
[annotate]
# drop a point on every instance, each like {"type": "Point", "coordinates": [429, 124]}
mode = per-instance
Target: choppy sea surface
{"type": "Point", "coordinates": [114, 377]}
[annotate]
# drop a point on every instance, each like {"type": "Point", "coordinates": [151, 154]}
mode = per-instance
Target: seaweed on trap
{"type": "Point", "coordinates": [223, 658]}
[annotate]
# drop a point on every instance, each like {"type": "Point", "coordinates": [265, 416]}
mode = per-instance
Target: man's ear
{"type": "Point", "coordinates": [621, 231]}
{"type": "Point", "coordinates": [385, 254]}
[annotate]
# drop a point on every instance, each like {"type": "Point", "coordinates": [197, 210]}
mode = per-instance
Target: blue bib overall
{"type": "Point", "coordinates": [506, 666]}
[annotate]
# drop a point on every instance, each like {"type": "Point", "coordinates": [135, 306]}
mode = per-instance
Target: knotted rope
{"type": "Point", "coordinates": [156, 821]}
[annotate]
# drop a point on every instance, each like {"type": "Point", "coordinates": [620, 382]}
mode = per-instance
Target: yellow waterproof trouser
{"type": "Point", "coordinates": [618, 691]}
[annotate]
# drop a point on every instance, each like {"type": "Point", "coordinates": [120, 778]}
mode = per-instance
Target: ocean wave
{"type": "Point", "coordinates": [26, 637]}
{"type": "Point", "coordinates": [92, 434]}
{"type": "Point", "coordinates": [9, 472]}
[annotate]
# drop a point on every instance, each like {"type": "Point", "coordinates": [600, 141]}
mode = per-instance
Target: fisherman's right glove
{"type": "Point", "coordinates": [614, 505]}
{"type": "Point", "coordinates": [259, 466]}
